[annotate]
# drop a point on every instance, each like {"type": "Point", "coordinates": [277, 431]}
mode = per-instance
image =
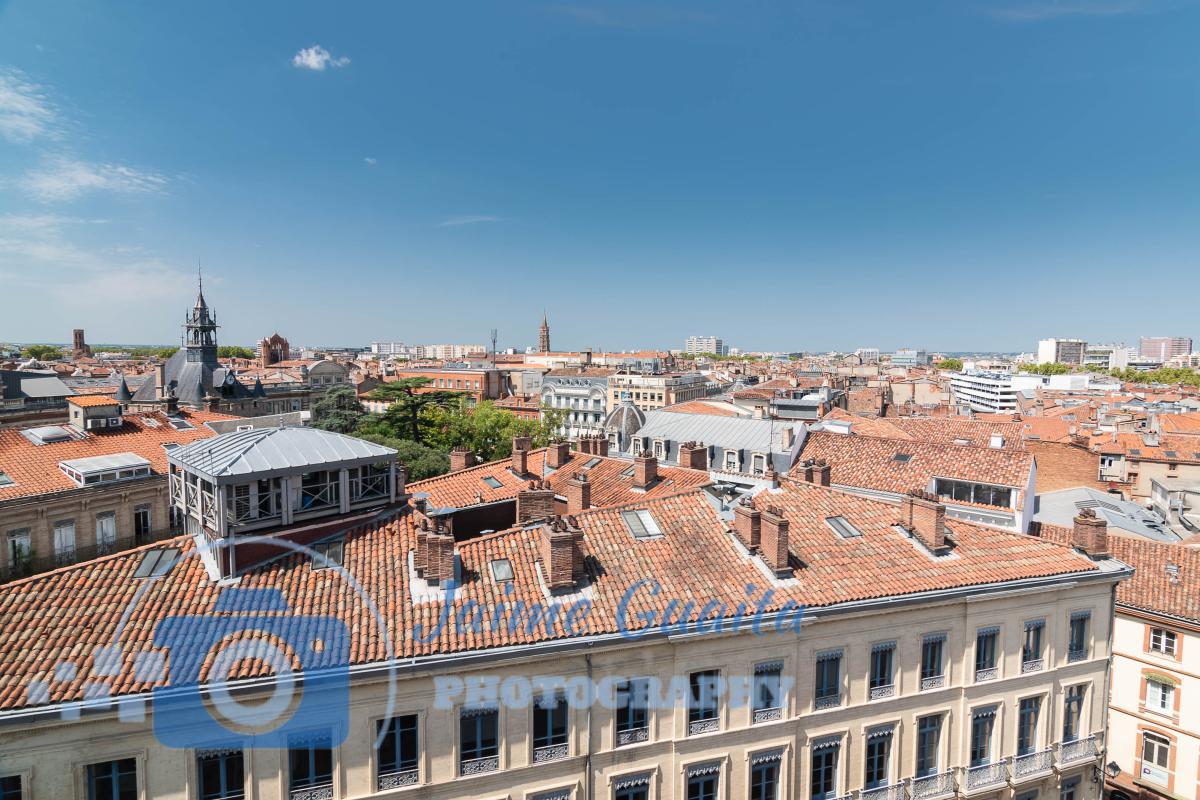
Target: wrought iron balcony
{"type": "Point", "coordinates": [478, 766]}
{"type": "Point", "coordinates": [551, 752]}
{"type": "Point", "coordinates": [830, 701]}
{"type": "Point", "coordinates": [934, 786]}
{"type": "Point", "coordinates": [881, 692]}
{"type": "Point", "coordinates": [632, 736]}
{"type": "Point", "coordinates": [1078, 750]}
{"type": "Point", "coordinates": [323, 792]}
{"type": "Point", "coordinates": [1032, 665]}
{"type": "Point", "coordinates": [1033, 764]}
{"type": "Point", "coordinates": [1077, 654]}
{"type": "Point", "coordinates": [988, 674]}
{"type": "Point", "coordinates": [987, 776]}
{"type": "Point", "coordinates": [934, 682]}
{"type": "Point", "coordinates": [704, 726]}
{"type": "Point", "coordinates": [893, 792]}
{"type": "Point", "coordinates": [397, 780]}
{"type": "Point", "coordinates": [767, 714]}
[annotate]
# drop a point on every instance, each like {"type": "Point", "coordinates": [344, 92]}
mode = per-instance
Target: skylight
{"type": "Point", "coordinates": [1135, 451]}
{"type": "Point", "coordinates": [902, 458]}
{"type": "Point", "coordinates": [157, 563]}
{"type": "Point", "coordinates": [6, 480]}
{"type": "Point", "coordinates": [1170, 454]}
{"type": "Point", "coordinates": [628, 473]}
{"type": "Point", "coordinates": [593, 462]}
{"type": "Point", "coordinates": [842, 527]}
{"type": "Point", "coordinates": [502, 570]}
{"type": "Point", "coordinates": [328, 554]}
{"type": "Point", "coordinates": [641, 524]}
{"type": "Point", "coordinates": [492, 482]}
{"type": "Point", "coordinates": [181, 424]}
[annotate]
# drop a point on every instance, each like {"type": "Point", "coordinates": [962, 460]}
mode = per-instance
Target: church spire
{"type": "Point", "coordinates": [544, 334]}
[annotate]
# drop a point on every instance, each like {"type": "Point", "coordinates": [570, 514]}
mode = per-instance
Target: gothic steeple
{"type": "Point", "coordinates": [201, 330]}
{"type": "Point", "coordinates": [544, 334]}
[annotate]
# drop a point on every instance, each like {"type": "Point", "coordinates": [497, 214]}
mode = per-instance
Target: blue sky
{"type": "Point", "coordinates": [968, 174]}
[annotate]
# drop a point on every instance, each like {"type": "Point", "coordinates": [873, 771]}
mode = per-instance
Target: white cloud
{"type": "Point", "coordinates": [25, 111]}
{"type": "Point", "coordinates": [64, 178]}
{"type": "Point", "coordinates": [370, 162]}
{"type": "Point", "coordinates": [453, 222]}
{"type": "Point", "coordinates": [1037, 10]}
{"type": "Point", "coordinates": [317, 58]}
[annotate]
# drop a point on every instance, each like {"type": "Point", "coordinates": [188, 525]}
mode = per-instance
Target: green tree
{"type": "Point", "coordinates": [1046, 369]}
{"type": "Point", "coordinates": [950, 364]}
{"type": "Point", "coordinates": [165, 352]}
{"type": "Point", "coordinates": [488, 431]}
{"type": "Point", "coordinates": [234, 351]}
{"type": "Point", "coordinates": [44, 352]}
{"type": "Point", "coordinates": [420, 461]}
{"type": "Point", "coordinates": [405, 415]}
{"type": "Point", "coordinates": [338, 411]}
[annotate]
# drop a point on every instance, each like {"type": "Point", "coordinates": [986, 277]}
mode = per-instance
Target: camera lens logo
{"type": "Point", "coordinates": [251, 675]}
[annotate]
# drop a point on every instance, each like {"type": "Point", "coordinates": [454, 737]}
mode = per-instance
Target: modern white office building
{"type": "Point", "coordinates": [705, 344]}
{"type": "Point", "coordinates": [1061, 351]}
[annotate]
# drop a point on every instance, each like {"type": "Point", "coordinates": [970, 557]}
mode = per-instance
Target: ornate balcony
{"type": "Point", "coordinates": [632, 736]}
{"type": "Point", "coordinates": [551, 752]}
{"type": "Point", "coordinates": [397, 780]}
{"type": "Point", "coordinates": [767, 714]}
{"type": "Point", "coordinates": [987, 776]}
{"type": "Point", "coordinates": [935, 682]}
{"type": "Point", "coordinates": [934, 786]}
{"type": "Point", "coordinates": [893, 792]}
{"type": "Point", "coordinates": [989, 674]}
{"type": "Point", "coordinates": [478, 766]}
{"type": "Point", "coordinates": [312, 793]}
{"type": "Point", "coordinates": [1032, 765]}
{"type": "Point", "coordinates": [832, 701]}
{"type": "Point", "coordinates": [881, 692]}
{"type": "Point", "coordinates": [1033, 665]}
{"type": "Point", "coordinates": [1078, 750]}
{"type": "Point", "coordinates": [704, 726]}
{"type": "Point", "coordinates": [1074, 655]}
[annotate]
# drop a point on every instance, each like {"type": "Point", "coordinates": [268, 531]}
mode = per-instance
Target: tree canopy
{"type": "Point", "coordinates": [338, 411]}
{"type": "Point", "coordinates": [234, 351]}
{"type": "Point", "coordinates": [950, 364]}
{"type": "Point", "coordinates": [44, 352]}
{"type": "Point", "coordinates": [1046, 369]}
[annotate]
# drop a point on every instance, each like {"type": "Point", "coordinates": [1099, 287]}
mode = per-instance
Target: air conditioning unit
{"type": "Point", "coordinates": [94, 423]}
{"type": "Point", "coordinates": [114, 422]}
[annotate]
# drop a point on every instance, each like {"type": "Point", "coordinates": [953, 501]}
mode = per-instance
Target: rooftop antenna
{"type": "Point", "coordinates": [493, 334]}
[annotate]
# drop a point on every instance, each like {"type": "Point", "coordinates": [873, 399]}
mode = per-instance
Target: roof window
{"type": "Point", "coordinates": [641, 524]}
{"type": "Point", "coordinates": [502, 570]}
{"type": "Point", "coordinates": [492, 482]}
{"type": "Point", "coordinates": [842, 527]}
{"type": "Point", "coordinates": [902, 458]}
{"type": "Point", "coordinates": [328, 554]}
{"type": "Point", "coordinates": [156, 563]}
{"type": "Point", "coordinates": [5, 479]}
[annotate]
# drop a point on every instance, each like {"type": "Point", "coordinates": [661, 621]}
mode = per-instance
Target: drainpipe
{"type": "Point", "coordinates": [588, 762]}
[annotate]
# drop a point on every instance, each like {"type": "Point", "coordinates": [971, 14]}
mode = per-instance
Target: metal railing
{"type": "Point", "coordinates": [932, 786]}
{"type": "Point", "coordinates": [987, 674]}
{"type": "Point", "coordinates": [894, 792]}
{"type": "Point", "coordinates": [767, 714]}
{"type": "Point", "coordinates": [397, 779]}
{"type": "Point", "coordinates": [1078, 750]}
{"type": "Point", "coordinates": [831, 701]}
{"type": "Point", "coordinates": [632, 736]}
{"type": "Point", "coordinates": [933, 682]}
{"type": "Point", "coordinates": [1076, 654]}
{"type": "Point", "coordinates": [551, 752]}
{"type": "Point", "coordinates": [704, 726]}
{"type": "Point", "coordinates": [1033, 763]}
{"type": "Point", "coordinates": [1032, 665]}
{"type": "Point", "coordinates": [987, 775]}
{"type": "Point", "coordinates": [880, 692]}
{"type": "Point", "coordinates": [478, 766]}
{"type": "Point", "coordinates": [322, 792]}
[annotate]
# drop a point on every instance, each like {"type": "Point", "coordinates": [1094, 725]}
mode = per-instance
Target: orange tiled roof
{"type": "Point", "coordinates": [1186, 424]}
{"type": "Point", "coordinates": [609, 485]}
{"type": "Point", "coordinates": [88, 401]}
{"type": "Point", "coordinates": [702, 407]}
{"type": "Point", "coordinates": [1185, 449]}
{"type": "Point", "coordinates": [34, 468]}
{"type": "Point", "coordinates": [65, 615]}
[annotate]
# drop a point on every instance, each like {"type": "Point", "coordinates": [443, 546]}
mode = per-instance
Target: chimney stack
{"type": "Point", "coordinates": [645, 470]}
{"type": "Point", "coordinates": [747, 523]}
{"type": "Point", "coordinates": [534, 502]}
{"type": "Point", "coordinates": [924, 515]}
{"type": "Point", "coordinates": [579, 493]}
{"type": "Point", "coordinates": [160, 380]}
{"type": "Point", "coordinates": [693, 455]}
{"type": "Point", "coordinates": [558, 454]}
{"type": "Point", "coordinates": [561, 553]}
{"type": "Point", "coordinates": [440, 565]}
{"type": "Point", "coordinates": [773, 542]}
{"type": "Point", "coordinates": [520, 455]}
{"type": "Point", "coordinates": [600, 445]}
{"type": "Point", "coordinates": [821, 472]}
{"type": "Point", "coordinates": [421, 551]}
{"type": "Point", "coordinates": [461, 458]}
{"type": "Point", "coordinates": [1090, 534]}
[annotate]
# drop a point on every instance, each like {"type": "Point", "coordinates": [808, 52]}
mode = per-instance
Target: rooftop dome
{"type": "Point", "coordinates": [626, 419]}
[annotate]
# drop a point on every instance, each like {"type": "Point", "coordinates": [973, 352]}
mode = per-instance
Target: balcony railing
{"type": "Point", "coordinates": [551, 752]}
{"type": "Point", "coordinates": [767, 714]}
{"type": "Point", "coordinates": [1077, 654]}
{"type": "Point", "coordinates": [632, 736]}
{"type": "Point", "coordinates": [934, 786]}
{"type": "Point", "coordinates": [478, 766]}
{"type": "Point", "coordinates": [1032, 764]}
{"type": "Point", "coordinates": [703, 726]}
{"type": "Point", "coordinates": [933, 682]}
{"type": "Point", "coordinates": [397, 780]}
{"type": "Point", "coordinates": [987, 776]}
{"type": "Point", "coordinates": [832, 701]}
{"type": "Point", "coordinates": [987, 674]}
{"type": "Point", "coordinates": [1032, 665]}
{"type": "Point", "coordinates": [880, 692]}
{"type": "Point", "coordinates": [1078, 750]}
{"type": "Point", "coordinates": [893, 792]}
{"type": "Point", "coordinates": [323, 792]}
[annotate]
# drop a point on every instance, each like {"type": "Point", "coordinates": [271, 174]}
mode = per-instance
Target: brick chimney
{"type": "Point", "coordinates": [461, 458]}
{"type": "Point", "coordinates": [773, 543]}
{"type": "Point", "coordinates": [925, 516]}
{"type": "Point", "coordinates": [579, 493]}
{"type": "Point", "coordinates": [558, 454]}
{"type": "Point", "coordinates": [534, 502]}
{"type": "Point", "coordinates": [645, 471]}
{"type": "Point", "coordinates": [584, 444]}
{"type": "Point", "coordinates": [561, 553]}
{"type": "Point", "coordinates": [421, 551]}
{"type": "Point", "coordinates": [747, 523]}
{"type": "Point", "coordinates": [520, 455]}
{"type": "Point", "coordinates": [600, 445]}
{"type": "Point", "coordinates": [440, 566]}
{"type": "Point", "coordinates": [806, 471]}
{"type": "Point", "coordinates": [821, 472]}
{"type": "Point", "coordinates": [693, 455]}
{"type": "Point", "coordinates": [1090, 534]}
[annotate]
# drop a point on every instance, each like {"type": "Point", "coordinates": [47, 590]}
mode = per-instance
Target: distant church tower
{"type": "Point", "coordinates": [544, 335]}
{"type": "Point", "coordinates": [201, 332]}
{"type": "Point", "coordinates": [79, 345]}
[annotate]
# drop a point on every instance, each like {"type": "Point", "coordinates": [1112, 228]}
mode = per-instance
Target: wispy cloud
{"type": "Point", "coordinates": [1038, 10]}
{"type": "Point", "coordinates": [318, 59]}
{"type": "Point", "coordinates": [25, 110]}
{"type": "Point", "coordinates": [370, 162]}
{"type": "Point", "coordinates": [454, 222]}
{"type": "Point", "coordinates": [63, 178]}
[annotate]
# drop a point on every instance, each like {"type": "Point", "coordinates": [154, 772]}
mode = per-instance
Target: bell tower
{"type": "Point", "coordinates": [200, 326]}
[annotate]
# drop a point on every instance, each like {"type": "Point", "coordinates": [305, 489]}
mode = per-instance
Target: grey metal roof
{"type": "Point", "coordinates": [86, 466]}
{"type": "Point", "coordinates": [743, 433]}
{"type": "Point", "coordinates": [274, 451]}
{"type": "Point", "coordinates": [1060, 508]}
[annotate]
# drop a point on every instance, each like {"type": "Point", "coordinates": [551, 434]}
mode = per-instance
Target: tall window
{"type": "Point", "coordinates": [106, 531]}
{"type": "Point", "coordinates": [702, 782]}
{"type": "Point", "coordinates": [1073, 712]}
{"type": "Point", "coordinates": [1160, 696]}
{"type": "Point", "coordinates": [550, 728]}
{"type": "Point", "coordinates": [399, 749]}
{"type": "Point", "coordinates": [221, 773]}
{"type": "Point", "coordinates": [768, 691]}
{"type": "Point", "coordinates": [633, 703]}
{"type": "Point", "coordinates": [1027, 725]}
{"type": "Point", "coordinates": [933, 650]}
{"type": "Point", "coordinates": [1156, 757]}
{"type": "Point", "coordinates": [878, 758]}
{"type": "Point", "coordinates": [64, 541]}
{"type": "Point", "coordinates": [112, 780]}
{"type": "Point", "coordinates": [702, 701]}
{"type": "Point", "coordinates": [986, 641]}
{"type": "Point", "coordinates": [881, 681]}
{"type": "Point", "coordinates": [1031, 649]}
{"type": "Point", "coordinates": [1077, 644]}
{"type": "Point", "coordinates": [1069, 789]}
{"type": "Point", "coordinates": [1163, 642]}
{"type": "Point", "coordinates": [764, 777]}
{"type": "Point", "coordinates": [829, 679]}
{"type": "Point", "coordinates": [310, 762]}
{"type": "Point", "coordinates": [983, 723]}
{"type": "Point", "coordinates": [929, 736]}
{"type": "Point", "coordinates": [479, 740]}
{"type": "Point", "coordinates": [142, 522]}
{"type": "Point", "coordinates": [823, 781]}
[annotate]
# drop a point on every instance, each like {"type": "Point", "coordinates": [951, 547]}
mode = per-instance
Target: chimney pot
{"type": "Point", "coordinates": [774, 540]}
{"type": "Point", "coordinates": [645, 471]}
{"type": "Point", "coordinates": [747, 524]}
{"type": "Point", "coordinates": [579, 494]}
{"type": "Point", "coordinates": [558, 454]}
{"type": "Point", "coordinates": [461, 458]}
{"type": "Point", "coordinates": [1090, 534]}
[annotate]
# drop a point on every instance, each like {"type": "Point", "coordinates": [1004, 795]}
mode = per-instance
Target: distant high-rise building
{"type": "Point", "coordinates": [1162, 348]}
{"type": "Point", "coordinates": [908, 357]}
{"type": "Point", "coordinates": [1061, 351]}
{"type": "Point", "coordinates": [544, 335]}
{"type": "Point", "coordinates": [388, 348]}
{"type": "Point", "coordinates": [79, 345]}
{"type": "Point", "coordinates": [705, 344]}
{"type": "Point", "coordinates": [869, 355]}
